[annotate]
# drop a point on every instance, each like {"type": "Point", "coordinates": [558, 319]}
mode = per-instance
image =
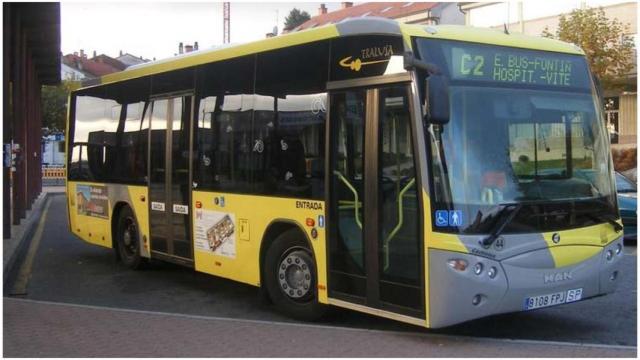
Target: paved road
{"type": "Point", "coordinates": [70, 271]}
{"type": "Point", "coordinates": [36, 329]}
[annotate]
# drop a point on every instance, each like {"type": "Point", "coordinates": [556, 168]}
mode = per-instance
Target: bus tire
{"type": "Point", "coordinates": [128, 240]}
{"type": "Point", "coordinates": [291, 278]}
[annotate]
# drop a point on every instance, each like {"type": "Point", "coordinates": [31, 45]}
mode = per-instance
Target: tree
{"type": "Point", "coordinates": [608, 49]}
{"type": "Point", "coordinates": [54, 105]}
{"type": "Point", "coordinates": [295, 18]}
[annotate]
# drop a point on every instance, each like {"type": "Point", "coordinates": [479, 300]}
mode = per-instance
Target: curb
{"type": "Point", "coordinates": [23, 242]}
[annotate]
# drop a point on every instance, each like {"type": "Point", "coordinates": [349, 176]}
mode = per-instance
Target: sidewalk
{"type": "Point", "coordinates": [38, 329]}
{"type": "Point", "coordinates": [20, 233]}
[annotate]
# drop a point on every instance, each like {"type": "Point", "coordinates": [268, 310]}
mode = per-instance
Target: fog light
{"type": "Point", "coordinates": [614, 276]}
{"type": "Point", "coordinates": [609, 255]}
{"type": "Point", "coordinates": [618, 249]}
{"type": "Point", "coordinates": [492, 272]}
{"type": "Point", "coordinates": [477, 269]}
{"type": "Point", "coordinates": [458, 264]}
{"type": "Point", "coordinates": [476, 299]}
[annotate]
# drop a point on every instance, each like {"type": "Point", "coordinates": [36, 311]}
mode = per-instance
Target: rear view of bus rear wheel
{"type": "Point", "coordinates": [290, 277]}
{"type": "Point", "coordinates": [128, 240]}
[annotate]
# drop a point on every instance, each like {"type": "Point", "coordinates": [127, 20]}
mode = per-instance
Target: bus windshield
{"type": "Point", "coordinates": [523, 129]}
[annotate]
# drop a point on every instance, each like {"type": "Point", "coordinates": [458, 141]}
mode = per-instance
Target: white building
{"type": "Point", "coordinates": [69, 73]}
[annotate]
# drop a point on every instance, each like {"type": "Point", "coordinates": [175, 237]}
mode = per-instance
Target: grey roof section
{"type": "Point", "coordinates": [368, 25]}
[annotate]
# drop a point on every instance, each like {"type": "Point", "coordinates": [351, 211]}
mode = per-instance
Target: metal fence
{"type": "Point", "coordinates": [53, 175]}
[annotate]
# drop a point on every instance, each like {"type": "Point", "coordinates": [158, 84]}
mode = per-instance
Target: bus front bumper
{"type": "Point", "coordinates": [519, 283]}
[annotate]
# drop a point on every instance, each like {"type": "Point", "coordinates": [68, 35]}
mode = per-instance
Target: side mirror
{"type": "Point", "coordinates": [437, 96]}
{"type": "Point", "coordinates": [436, 89]}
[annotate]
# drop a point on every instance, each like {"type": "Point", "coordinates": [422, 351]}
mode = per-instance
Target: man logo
{"type": "Point", "coordinates": [555, 238]}
{"type": "Point", "coordinates": [499, 244]}
{"type": "Point", "coordinates": [556, 277]}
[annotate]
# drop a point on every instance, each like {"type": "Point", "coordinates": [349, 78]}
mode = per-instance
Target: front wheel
{"type": "Point", "coordinates": [128, 240]}
{"type": "Point", "coordinates": [290, 277]}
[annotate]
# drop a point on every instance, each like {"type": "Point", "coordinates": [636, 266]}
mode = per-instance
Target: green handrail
{"type": "Point", "coordinates": [355, 195]}
{"type": "Point", "coordinates": [399, 225]}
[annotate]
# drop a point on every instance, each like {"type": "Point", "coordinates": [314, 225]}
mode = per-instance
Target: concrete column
{"type": "Point", "coordinates": [19, 128]}
{"type": "Point", "coordinates": [7, 33]}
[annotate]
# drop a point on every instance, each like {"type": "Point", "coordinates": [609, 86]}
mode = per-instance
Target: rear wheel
{"type": "Point", "coordinates": [128, 240]}
{"type": "Point", "coordinates": [291, 278]}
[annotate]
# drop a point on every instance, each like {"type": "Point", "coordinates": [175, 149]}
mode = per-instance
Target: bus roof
{"type": "Point", "coordinates": [360, 26]}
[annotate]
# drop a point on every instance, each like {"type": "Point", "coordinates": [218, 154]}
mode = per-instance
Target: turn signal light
{"type": "Point", "coordinates": [311, 222]}
{"type": "Point", "coordinates": [458, 264]}
{"type": "Point", "coordinates": [198, 204]}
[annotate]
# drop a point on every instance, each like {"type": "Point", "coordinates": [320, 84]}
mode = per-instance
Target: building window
{"type": "Point", "coordinates": [612, 111]}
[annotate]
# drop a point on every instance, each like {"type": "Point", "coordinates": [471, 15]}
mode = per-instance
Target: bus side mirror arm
{"type": "Point", "coordinates": [435, 96]}
{"type": "Point", "coordinates": [412, 63]}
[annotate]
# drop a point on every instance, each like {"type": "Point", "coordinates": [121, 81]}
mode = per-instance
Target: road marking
{"type": "Point", "coordinates": [328, 327]}
{"type": "Point", "coordinates": [22, 280]}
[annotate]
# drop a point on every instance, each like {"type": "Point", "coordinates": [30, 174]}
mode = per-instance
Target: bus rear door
{"type": "Point", "coordinates": [169, 179]}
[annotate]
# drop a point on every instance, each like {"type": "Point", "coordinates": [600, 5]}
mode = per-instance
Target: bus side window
{"type": "Point", "coordinates": [291, 114]}
{"type": "Point", "coordinates": [107, 138]}
{"type": "Point", "coordinates": [133, 146]}
{"type": "Point", "coordinates": [223, 140]}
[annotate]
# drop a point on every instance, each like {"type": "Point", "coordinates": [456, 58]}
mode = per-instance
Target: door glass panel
{"type": "Point", "coordinates": [169, 184]}
{"type": "Point", "coordinates": [180, 133]}
{"type": "Point", "coordinates": [399, 238]}
{"type": "Point", "coordinates": [157, 184]}
{"type": "Point", "coordinates": [347, 202]}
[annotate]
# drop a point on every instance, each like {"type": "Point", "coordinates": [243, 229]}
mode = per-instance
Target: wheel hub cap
{"type": "Point", "coordinates": [294, 276]}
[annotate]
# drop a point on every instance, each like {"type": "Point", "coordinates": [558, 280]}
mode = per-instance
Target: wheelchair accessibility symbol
{"type": "Point", "coordinates": [448, 218]}
{"type": "Point", "coordinates": [442, 218]}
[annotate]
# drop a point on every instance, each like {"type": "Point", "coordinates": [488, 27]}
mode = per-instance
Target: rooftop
{"type": "Point", "coordinates": [389, 10]}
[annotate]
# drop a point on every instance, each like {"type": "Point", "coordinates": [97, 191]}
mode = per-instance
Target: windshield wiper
{"type": "Point", "coordinates": [497, 230]}
{"type": "Point", "coordinates": [601, 217]}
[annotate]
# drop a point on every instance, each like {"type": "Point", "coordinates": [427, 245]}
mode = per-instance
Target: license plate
{"type": "Point", "coordinates": [558, 298]}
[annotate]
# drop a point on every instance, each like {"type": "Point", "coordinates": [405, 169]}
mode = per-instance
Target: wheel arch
{"type": "Point", "coordinates": [115, 215]}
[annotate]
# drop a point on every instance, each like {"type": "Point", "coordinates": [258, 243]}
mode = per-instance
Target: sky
{"type": "Point", "coordinates": [154, 29]}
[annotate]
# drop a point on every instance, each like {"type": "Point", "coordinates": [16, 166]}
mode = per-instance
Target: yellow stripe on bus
{"type": "Point", "coordinates": [570, 255]}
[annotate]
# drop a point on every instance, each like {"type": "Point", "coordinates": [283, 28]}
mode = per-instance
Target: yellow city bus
{"type": "Point", "coordinates": [428, 174]}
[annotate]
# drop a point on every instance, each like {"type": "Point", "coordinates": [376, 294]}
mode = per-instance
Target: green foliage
{"type": "Point", "coordinates": [54, 105]}
{"type": "Point", "coordinates": [295, 18]}
{"type": "Point", "coordinates": [608, 49]}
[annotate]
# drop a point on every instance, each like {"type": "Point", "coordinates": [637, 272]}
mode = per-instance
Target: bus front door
{"type": "Point", "coordinates": [169, 179]}
{"type": "Point", "coordinates": [375, 243]}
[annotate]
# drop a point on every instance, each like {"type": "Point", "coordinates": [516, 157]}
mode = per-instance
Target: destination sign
{"type": "Point", "coordinates": [517, 66]}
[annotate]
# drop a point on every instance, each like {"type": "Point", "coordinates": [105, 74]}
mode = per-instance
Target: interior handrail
{"type": "Point", "coordinates": [393, 232]}
{"type": "Point", "coordinates": [355, 195]}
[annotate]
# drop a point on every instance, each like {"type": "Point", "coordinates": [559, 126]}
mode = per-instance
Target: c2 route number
{"type": "Point", "coordinates": [471, 65]}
